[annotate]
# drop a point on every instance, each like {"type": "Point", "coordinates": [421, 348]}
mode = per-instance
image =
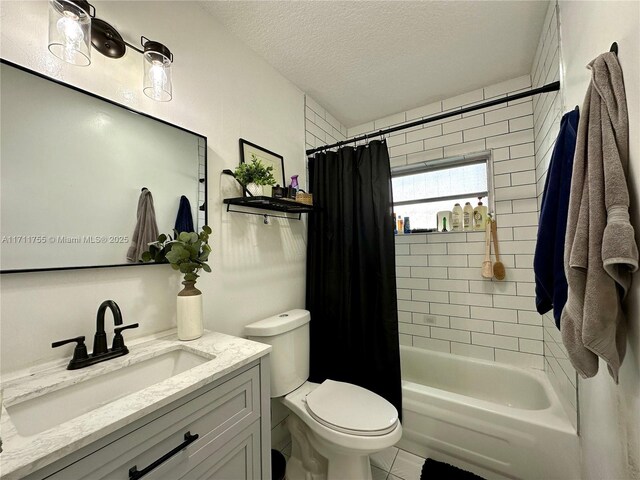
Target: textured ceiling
{"type": "Point", "coordinates": [364, 60]}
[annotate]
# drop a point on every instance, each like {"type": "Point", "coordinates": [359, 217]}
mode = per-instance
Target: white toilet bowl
{"type": "Point", "coordinates": [334, 426]}
{"type": "Point", "coordinates": [335, 441]}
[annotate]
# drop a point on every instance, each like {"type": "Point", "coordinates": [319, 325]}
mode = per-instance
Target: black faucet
{"type": "Point", "coordinates": [100, 351]}
{"type": "Point", "coordinates": [100, 338]}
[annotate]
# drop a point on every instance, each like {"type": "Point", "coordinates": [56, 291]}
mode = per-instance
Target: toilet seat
{"type": "Point", "coordinates": [351, 409]}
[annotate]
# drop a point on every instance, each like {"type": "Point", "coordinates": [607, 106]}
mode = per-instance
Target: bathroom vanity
{"type": "Point", "coordinates": [168, 409]}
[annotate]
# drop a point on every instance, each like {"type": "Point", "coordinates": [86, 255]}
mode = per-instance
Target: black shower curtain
{"type": "Point", "coordinates": [351, 283]}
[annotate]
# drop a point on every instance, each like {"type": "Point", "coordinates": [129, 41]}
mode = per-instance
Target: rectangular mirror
{"type": "Point", "coordinates": [73, 167]}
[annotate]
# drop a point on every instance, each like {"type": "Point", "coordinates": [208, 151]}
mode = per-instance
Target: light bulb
{"type": "Point", "coordinates": [158, 79]}
{"type": "Point", "coordinates": [71, 31]}
{"type": "Point", "coordinates": [157, 71]}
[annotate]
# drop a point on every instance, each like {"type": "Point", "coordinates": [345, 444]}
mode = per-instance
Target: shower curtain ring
{"type": "Point", "coordinates": [366, 139]}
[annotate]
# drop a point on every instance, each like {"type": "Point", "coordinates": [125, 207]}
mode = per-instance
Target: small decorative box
{"type": "Point", "coordinates": [306, 198]}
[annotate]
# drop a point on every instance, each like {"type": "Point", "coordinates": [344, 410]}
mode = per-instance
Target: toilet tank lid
{"type": "Point", "coordinates": [280, 323]}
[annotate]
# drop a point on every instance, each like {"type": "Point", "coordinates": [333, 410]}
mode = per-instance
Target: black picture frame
{"type": "Point", "coordinates": [267, 157]}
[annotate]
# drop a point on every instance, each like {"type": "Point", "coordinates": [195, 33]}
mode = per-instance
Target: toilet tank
{"type": "Point", "coordinates": [288, 335]}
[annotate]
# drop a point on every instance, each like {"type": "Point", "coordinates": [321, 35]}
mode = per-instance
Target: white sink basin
{"type": "Point", "coordinates": [38, 414]}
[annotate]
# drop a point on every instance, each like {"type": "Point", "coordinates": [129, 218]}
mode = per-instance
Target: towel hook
{"type": "Point", "coordinates": [143, 189]}
{"type": "Point", "coordinates": [614, 48]}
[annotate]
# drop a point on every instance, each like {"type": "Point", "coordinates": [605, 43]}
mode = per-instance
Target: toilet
{"type": "Point", "coordinates": [334, 426]}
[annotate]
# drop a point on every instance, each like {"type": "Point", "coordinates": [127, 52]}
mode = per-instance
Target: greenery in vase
{"type": "Point", "coordinates": [187, 252]}
{"type": "Point", "coordinates": [254, 172]}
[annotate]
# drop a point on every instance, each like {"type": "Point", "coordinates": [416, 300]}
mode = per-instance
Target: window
{"type": "Point", "coordinates": [421, 191]}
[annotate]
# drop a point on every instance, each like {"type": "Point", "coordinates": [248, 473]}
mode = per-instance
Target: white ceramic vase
{"type": "Point", "coordinates": [255, 190]}
{"type": "Point", "coordinates": [190, 324]}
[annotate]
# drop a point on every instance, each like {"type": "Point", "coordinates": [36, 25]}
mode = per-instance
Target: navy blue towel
{"type": "Point", "coordinates": [548, 262]}
{"type": "Point", "coordinates": [184, 220]}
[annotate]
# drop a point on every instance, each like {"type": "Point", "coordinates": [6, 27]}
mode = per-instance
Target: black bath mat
{"type": "Point", "coordinates": [434, 470]}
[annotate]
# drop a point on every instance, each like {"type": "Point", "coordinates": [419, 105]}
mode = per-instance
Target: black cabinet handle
{"type": "Point", "coordinates": [135, 474]}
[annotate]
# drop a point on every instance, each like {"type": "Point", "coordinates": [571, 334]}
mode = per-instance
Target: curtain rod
{"type": "Point", "coordinates": [550, 87]}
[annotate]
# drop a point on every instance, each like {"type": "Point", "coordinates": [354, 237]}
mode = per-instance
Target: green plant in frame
{"type": "Point", "coordinates": [188, 252]}
{"type": "Point", "coordinates": [254, 172]}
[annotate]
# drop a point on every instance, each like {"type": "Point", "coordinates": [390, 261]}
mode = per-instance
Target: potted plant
{"type": "Point", "coordinates": [187, 252]}
{"type": "Point", "coordinates": [254, 176]}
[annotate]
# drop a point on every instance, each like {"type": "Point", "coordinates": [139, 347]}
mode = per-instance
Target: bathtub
{"type": "Point", "coordinates": [493, 419]}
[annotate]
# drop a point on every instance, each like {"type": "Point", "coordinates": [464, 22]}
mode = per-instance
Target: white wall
{"type": "Point", "coordinates": [547, 113]}
{"type": "Point", "coordinates": [609, 413]}
{"type": "Point", "coordinates": [222, 90]}
{"type": "Point", "coordinates": [443, 302]}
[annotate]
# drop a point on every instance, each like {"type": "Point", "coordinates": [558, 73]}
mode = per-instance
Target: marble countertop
{"type": "Point", "coordinates": [23, 455]}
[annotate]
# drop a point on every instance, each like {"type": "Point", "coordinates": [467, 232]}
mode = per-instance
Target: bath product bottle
{"type": "Point", "coordinates": [467, 217]}
{"type": "Point", "coordinates": [480, 216]}
{"type": "Point", "coordinates": [293, 187]}
{"type": "Point", "coordinates": [400, 225]}
{"type": "Point", "coordinates": [407, 225]}
{"type": "Point", "coordinates": [440, 220]}
{"type": "Point", "coordinates": [294, 182]}
{"type": "Point", "coordinates": [444, 224]}
{"type": "Point", "coordinates": [395, 224]}
{"type": "Point", "coordinates": [456, 218]}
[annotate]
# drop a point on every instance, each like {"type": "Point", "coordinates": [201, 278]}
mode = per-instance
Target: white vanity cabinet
{"type": "Point", "coordinates": [230, 418]}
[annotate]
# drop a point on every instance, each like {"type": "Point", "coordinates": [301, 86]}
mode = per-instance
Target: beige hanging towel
{"type": "Point", "coordinates": [146, 230]}
{"type": "Point", "coordinates": [600, 248]}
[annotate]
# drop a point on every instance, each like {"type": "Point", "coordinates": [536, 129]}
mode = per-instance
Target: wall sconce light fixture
{"type": "Point", "coordinates": [73, 29]}
{"type": "Point", "coordinates": [70, 31]}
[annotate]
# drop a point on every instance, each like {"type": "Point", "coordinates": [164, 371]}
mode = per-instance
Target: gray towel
{"type": "Point", "coordinates": [146, 230]}
{"type": "Point", "coordinates": [600, 248]}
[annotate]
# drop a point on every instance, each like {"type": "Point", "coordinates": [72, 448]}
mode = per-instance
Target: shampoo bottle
{"type": "Point", "coordinates": [456, 218]}
{"type": "Point", "coordinates": [400, 225]}
{"type": "Point", "coordinates": [467, 216]}
{"type": "Point", "coordinates": [480, 216]}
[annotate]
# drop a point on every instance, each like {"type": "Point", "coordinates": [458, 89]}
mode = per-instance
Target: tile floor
{"type": "Point", "coordinates": [389, 464]}
{"type": "Point", "coordinates": [396, 464]}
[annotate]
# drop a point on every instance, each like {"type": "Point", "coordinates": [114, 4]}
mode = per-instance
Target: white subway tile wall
{"type": "Point", "coordinates": [547, 112]}
{"type": "Point", "coordinates": [444, 303]}
{"type": "Point", "coordinates": [453, 309]}
{"type": "Point", "coordinates": [320, 127]}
